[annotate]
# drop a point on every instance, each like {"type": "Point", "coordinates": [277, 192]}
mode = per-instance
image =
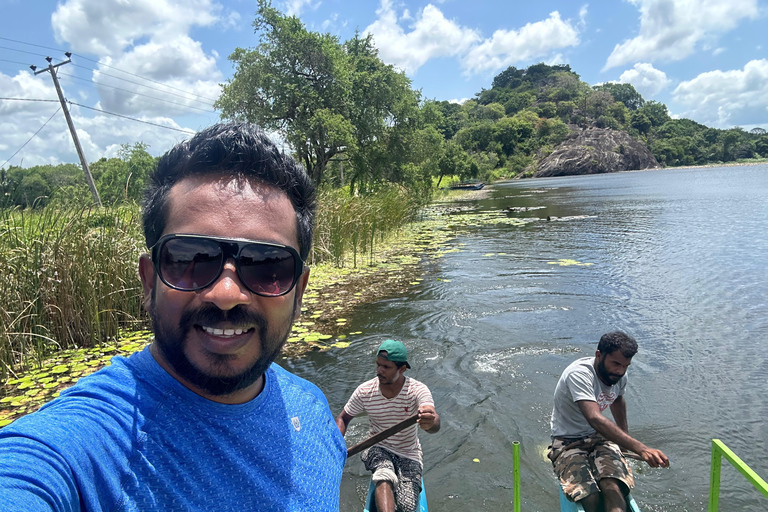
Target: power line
{"type": "Point", "coordinates": [139, 76]}
{"type": "Point", "coordinates": [131, 118]}
{"type": "Point", "coordinates": [32, 44]}
{"type": "Point", "coordinates": [24, 51]}
{"type": "Point", "coordinates": [15, 62]}
{"type": "Point", "coordinates": [136, 93]}
{"type": "Point", "coordinates": [25, 99]}
{"type": "Point", "coordinates": [142, 85]}
{"type": "Point", "coordinates": [32, 137]}
{"type": "Point", "coordinates": [101, 64]}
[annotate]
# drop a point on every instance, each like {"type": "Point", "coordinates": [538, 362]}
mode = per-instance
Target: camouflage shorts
{"type": "Point", "coordinates": [580, 463]}
{"type": "Point", "coordinates": [408, 472]}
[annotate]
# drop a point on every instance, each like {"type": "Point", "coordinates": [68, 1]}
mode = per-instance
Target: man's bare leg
{"type": "Point", "coordinates": [613, 495]}
{"type": "Point", "coordinates": [385, 497]}
{"type": "Point", "coordinates": [593, 502]}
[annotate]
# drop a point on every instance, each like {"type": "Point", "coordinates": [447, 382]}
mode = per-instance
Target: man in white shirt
{"type": "Point", "coordinates": [390, 398]}
{"type": "Point", "coordinates": [586, 446]}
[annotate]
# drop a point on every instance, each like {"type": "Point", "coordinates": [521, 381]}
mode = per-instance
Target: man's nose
{"type": "Point", "coordinates": [227, 291]}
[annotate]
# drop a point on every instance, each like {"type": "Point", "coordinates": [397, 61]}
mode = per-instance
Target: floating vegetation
{"type": "Point", "coordinates": [568, 263]}
{"type": "Point", "coordinates": [27, 393]}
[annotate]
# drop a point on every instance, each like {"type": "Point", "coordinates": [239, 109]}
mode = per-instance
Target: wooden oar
{"type": "Point", "coordinates": [382, 435]}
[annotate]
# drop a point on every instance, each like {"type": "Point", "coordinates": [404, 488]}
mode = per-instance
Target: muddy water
{"type": "Point", "coordinates": [676, 258]}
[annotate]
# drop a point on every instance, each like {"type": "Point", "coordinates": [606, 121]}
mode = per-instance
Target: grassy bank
{"type": "Point", "coordinates": [68, 275]}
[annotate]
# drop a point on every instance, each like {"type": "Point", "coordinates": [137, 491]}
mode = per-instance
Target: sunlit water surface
{"type": "Point", "coordinates": [678, 259]}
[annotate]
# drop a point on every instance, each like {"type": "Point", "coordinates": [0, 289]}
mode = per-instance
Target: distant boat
{"type": "Point", "coordinates": [468, 185]}
{"type": "Point", "coordinates": [570, 506]}
{"type": "Point", "coordinates": [370, 502]}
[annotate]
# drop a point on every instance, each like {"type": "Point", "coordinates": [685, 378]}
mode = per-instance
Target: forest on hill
{"type": "Point", "coordinates": [356, 122]}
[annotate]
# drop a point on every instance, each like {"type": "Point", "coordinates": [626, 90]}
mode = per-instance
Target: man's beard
{"type": "Point", "coordinates": [170, 341]}
{"type": "Point", "coordinates": [605, 375]}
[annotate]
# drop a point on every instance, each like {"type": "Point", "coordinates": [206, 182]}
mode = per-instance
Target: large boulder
{"type": "Point", "coordinates": [594, 151]}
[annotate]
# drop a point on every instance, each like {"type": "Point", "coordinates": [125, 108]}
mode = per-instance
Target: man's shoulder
{"type": "Point", "coordinates": [369, 386]}
{"type": "Point", "coordinates": [415, 385]}
{"type": "Point", "coordinates": [582, 366]}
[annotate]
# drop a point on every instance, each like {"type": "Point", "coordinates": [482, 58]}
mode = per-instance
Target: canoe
{"type": "Point", "coordinates": [370, 503]}
{"type": "Point", "coordinates": [468, 185]}
{"type": "Point", "coordinates": [569, 506]}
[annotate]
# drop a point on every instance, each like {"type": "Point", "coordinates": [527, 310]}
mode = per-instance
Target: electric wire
{"type": "Point", "coordinates": [32, 137]}
{"type": "Point", "coordinates": [26, 99]}
{"type": "Point", "coordinates": [134, 92]}
{"type": "Point", "coordinates": [142, 85]}
{"type": "Point", "coordinates": [101, 64]}
{"type": "Point", "coordinates": [131, 118]}
{"type": "Point", "coordinates": [15, 62]}
{"type": "Point", "coordinates": [142, 77]}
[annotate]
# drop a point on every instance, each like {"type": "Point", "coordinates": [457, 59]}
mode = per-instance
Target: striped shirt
{"type": "Point", "coordinates": [386, 412]}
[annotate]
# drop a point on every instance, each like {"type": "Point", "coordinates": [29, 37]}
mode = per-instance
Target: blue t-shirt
{"type": "Point", "coordinates": [132, 438]}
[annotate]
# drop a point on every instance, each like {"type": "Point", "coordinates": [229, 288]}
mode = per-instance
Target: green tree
{"type": "Point", "coordinates": [624, 93]}
{"type": "Point", "coordinates": [295, 82]}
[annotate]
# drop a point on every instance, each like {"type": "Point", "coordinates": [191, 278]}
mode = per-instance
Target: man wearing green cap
{"type": "Point", "coordinates": [388, 399]}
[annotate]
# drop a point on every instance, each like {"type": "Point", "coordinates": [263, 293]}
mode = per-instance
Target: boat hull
{"type": "Point", "coordinates": [370, 503]}
{"type": "Point", "coordinates": [570, 506]}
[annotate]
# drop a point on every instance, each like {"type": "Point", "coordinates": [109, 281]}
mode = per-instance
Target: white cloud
{"type": "Point", "coordinates": [432, 36]}
{"type": "Point", "coordinates": [179, 65]}
{"type": "Point", "coordinates": [646, 79]}
{"type": "Point", "coordinates": [148, 38]}
{"type": "Point", "coordinates": [459, 101]}
{"type": "Point", "coordinates": [671, 29]}
{"type": "Point", "coordinates": [296, 7]}
{"type": "Point", "coordinates": [727, 98]}
{"type": "Point", "coordinates": [533, 41]}
{"type": "Point", "coordinates": [105, 28]}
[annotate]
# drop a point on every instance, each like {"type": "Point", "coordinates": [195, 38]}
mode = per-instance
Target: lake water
{"type": "Point", "coordinates": [677, 259]}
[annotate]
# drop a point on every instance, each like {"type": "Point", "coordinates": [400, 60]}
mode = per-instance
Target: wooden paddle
{"type": "Point", "coordinates": [382, 435]}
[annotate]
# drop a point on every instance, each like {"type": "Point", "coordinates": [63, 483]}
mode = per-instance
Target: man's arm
{"type": "Point", "coordinates": [342, 421]}
{"type": "Point", "coordinates": [429, 420]}
{"type": "Point", "coordinates": [613, 432]}
{"type": "Point", "coordinates": [619, 411]}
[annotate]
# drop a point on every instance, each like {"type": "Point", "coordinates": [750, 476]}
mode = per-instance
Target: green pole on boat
{"type": "Point", "coordinates": [516, 475]}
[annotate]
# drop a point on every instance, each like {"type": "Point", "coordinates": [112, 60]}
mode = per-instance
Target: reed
{"type": "Point", "coordinates": [353, 224]}
{"type": "Point", "coordinates": [68, 279]}
{"type": "Point", "coordinates": [68, 274]}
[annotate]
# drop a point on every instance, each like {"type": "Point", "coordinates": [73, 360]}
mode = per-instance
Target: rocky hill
{"type": "Point", "coordinates": [595, 151]}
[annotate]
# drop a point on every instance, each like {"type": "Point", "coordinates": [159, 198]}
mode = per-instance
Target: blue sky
{"type": "Point", "coordinates": [705, 59]}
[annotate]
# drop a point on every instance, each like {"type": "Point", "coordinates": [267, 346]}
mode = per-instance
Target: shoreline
{"type": "Point", "coordinates": [332, 294]}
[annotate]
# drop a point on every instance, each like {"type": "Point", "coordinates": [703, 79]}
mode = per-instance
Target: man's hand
{"type": "Point", "coordinates": [654, 458]}
{"type": "Point", "coordinates": [428, 420]}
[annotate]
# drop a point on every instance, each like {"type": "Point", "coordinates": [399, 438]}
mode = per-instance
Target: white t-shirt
{"type": "Point", "coordinates": [386, 412]}
{"type": "Point", "coordinates": [578, 382]}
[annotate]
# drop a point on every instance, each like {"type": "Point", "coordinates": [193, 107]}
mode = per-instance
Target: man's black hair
{"type": "Point", "coordinates": [617, 340]}
{"type": "Point", "coordinates": [240, 150]}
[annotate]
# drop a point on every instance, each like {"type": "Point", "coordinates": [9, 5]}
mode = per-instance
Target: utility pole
{"type": "Point", "coordinates": [52, 70]}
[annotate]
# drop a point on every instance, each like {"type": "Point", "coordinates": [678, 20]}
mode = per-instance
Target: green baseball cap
{"type": "Point", "coordinates": [396, 352]}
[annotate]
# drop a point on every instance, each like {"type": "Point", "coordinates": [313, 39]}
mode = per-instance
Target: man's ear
{"type": "Point", "coordinates": [301, 286]}
{"type": "Point", "coordinates": [147, 275]}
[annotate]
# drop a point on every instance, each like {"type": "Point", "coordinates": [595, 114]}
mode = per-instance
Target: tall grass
{"type": "Point", "coordinates": [68, 279]}
{"type": "Point", "coordinates": [68, 274]}
{"type": "Point", "coordinates": [352, 224]}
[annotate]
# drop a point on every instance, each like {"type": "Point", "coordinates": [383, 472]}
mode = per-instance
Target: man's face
{"type": "Point", "coordinates": [611, 367]}
{"type": "Point", "coordinates": [221, 339]}
{"type": "Point", "coordinates": [387, 371]}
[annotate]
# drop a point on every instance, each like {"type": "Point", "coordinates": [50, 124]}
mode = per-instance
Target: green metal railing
{"type": "Point", "coordinates": [719, 450]}
{"type": "Point", "coordinates": [516, 475]}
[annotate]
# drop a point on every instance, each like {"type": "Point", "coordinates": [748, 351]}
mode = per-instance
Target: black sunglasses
{"type": "Point", "coordinates": [193, 262]}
